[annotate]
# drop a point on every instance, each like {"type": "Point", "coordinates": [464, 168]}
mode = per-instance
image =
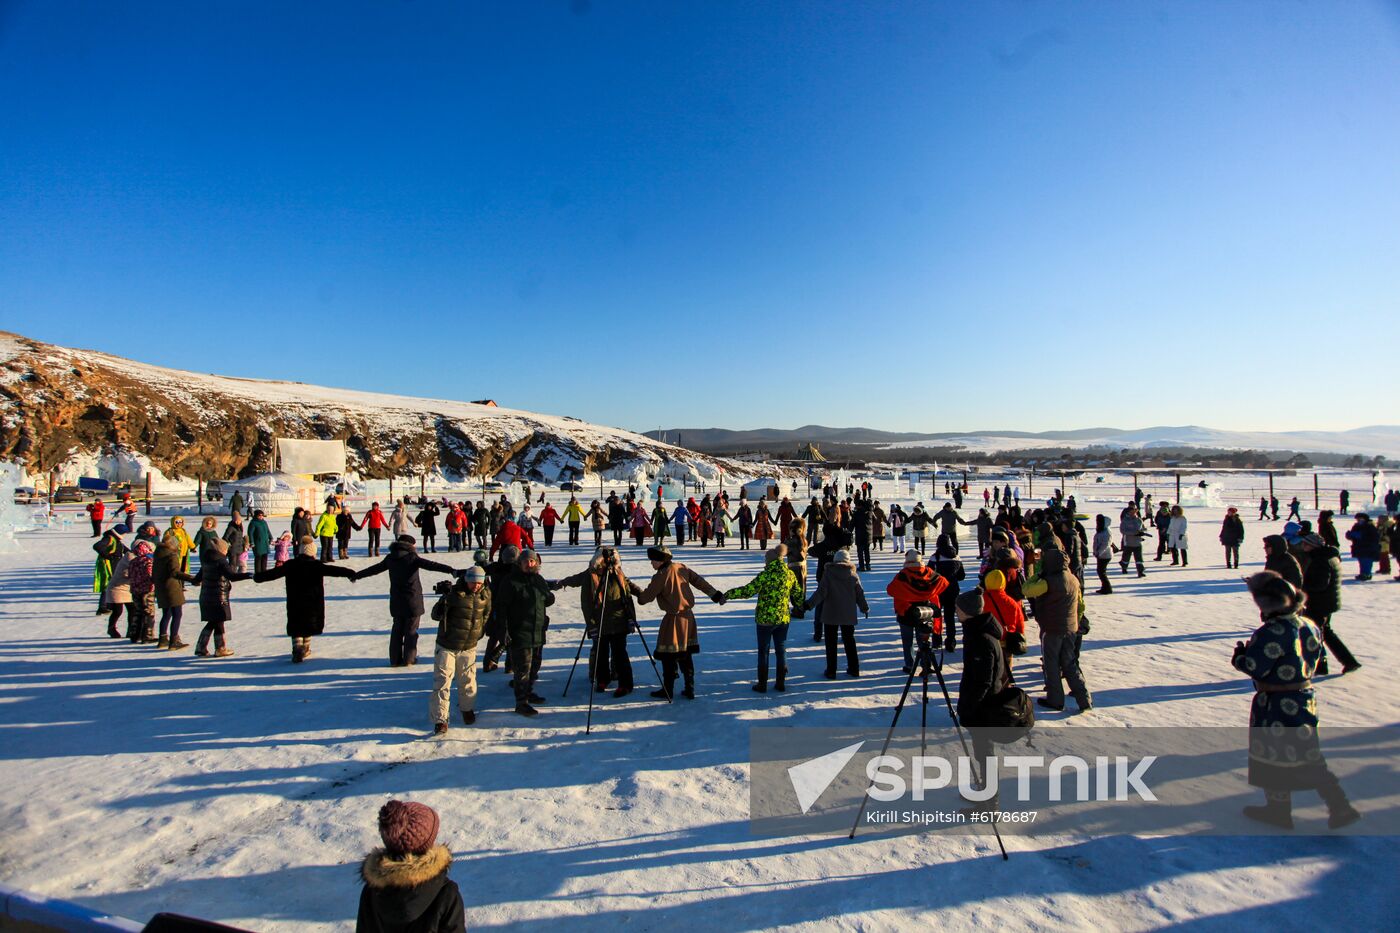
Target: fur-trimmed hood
{"type": "Point", "coordinates": [382, 870]}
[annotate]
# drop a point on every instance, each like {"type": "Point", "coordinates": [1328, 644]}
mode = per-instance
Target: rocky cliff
{"type": "Point", "coordinates": [64, 409]}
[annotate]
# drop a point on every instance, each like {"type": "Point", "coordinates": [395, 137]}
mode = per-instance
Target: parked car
{"type": "Point", "coordinates": [214, 491]}
{"type": "Point", "coordinates": [68, 494]}
{"type": "Point", "coordinates": [571, 487]}
{"type": "Point", "coordinates": [28, 494]}
{"type": "Point", "coordinates": [494, 486]}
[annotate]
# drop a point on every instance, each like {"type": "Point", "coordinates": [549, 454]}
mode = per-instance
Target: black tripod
{"type": "Point", "coordinates": [924, 663]}
{"type": "Point", "coordinates": [593, 655]}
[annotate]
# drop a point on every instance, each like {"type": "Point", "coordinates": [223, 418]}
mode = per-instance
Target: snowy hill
{"type": "Point", "coordinates": [65, 409]}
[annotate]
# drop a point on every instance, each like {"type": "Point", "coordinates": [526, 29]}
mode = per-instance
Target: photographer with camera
{"type": "Point", "coordinates": [461, 615]}
{"type": "Point", "coordinates": [610, 615]}
{"type": "Point", "coordinates": [916, 590]}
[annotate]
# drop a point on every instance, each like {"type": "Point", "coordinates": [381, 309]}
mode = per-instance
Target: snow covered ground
{"type": "Point", "coordinates": [245, 789]}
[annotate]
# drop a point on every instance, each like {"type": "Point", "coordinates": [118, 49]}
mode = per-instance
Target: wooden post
{"type": "Point", "coordinates": [148, 492]}
{"type": "Point", "coordinates": [1178, 489]}
{"type": "Point", "coordinates": [423, 486]}
{"type": "Point", "coordinates": [391, 490]}
{"type": "Point", "coordinates": [1030, 485]}
{"type": "Point", "coordinates": [199, 493]}
{"type": "Point", "coordinates": [1316, 503]}
{"type": "Point", "coordinates": [1271, 487]}
{"type": "Point", "coordinates": [50, 492]}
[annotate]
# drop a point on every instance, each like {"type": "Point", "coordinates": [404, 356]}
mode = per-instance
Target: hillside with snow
{"type": "Point", "coordinates": [67, 410]}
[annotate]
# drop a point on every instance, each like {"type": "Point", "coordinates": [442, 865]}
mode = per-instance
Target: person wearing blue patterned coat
{"type": "Point", "coordinates": [1284, 751]}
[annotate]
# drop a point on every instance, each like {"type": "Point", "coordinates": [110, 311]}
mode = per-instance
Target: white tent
{"type": "Point", "coordinates": [275, 493]}
{"type": "Point", "coordinates": [760, 489]}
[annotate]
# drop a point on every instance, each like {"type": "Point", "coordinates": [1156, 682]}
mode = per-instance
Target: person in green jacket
{"type": "Point", "coordinates": [260, 538]}
{"type": "Point", "coordinates": [326, 527]}
{"type": "Point", "coordinates": [779, 599]}
{"type": "Point", "coordinates": [524, 598]}
{"type": "Point", "coordinates": [205, 537]}
{"type": "Point", "coordinates": [660, 524]}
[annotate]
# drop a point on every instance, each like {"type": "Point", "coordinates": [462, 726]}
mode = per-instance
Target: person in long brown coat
{"type": "Point", "coordinates": [677, 638]}
{"type": "Point", "coordinates": [169, 581]}
{"type": "Point", "coordinates": [762, 526]}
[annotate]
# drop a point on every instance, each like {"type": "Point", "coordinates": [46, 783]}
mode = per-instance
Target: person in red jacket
{"type": "Point", "coordinates": [549, 518]}
{"type": "Point", "coordinates": [786, 513]}
{"type": "Point", "coordinates": [454, 523]}
{"type": "Point", "coordinates": [914, 586]}
{"type": "Point", "coordinates": [510, 534]}
{"type": "Point", "coordinates": [376, 522]}
{"type": "Point", "coordinates": [1007, 611]}
{"type": "Point", "coordinates": [96, 510]}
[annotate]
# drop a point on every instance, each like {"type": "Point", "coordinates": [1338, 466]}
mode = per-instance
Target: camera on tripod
{"type": "Point", "coordinates": [922, 617]}
{"type": "Point", "coordinates": [442, 587]}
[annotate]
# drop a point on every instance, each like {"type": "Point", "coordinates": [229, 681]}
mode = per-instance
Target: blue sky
{"type": "Point", "coordinates": [921, 216]}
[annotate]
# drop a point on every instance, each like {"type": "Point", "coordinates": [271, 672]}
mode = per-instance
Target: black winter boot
{"type": "Point", "coordinates": [1276, 811]}
{"type": "Point", "coordinates": [1340, 812]}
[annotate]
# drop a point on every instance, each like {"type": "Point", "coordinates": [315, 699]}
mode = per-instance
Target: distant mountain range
{"type": "Point", "coordinates": [1382, 440]}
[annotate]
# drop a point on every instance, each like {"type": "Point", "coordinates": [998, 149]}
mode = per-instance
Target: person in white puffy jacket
{"type": "Point", "coordinates": [1176, 535]}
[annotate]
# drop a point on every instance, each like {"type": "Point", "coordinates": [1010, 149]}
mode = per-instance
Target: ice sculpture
{"type": "Point", "coordinates": [1204, 494]}
{"type": "Point", "coordinates": [14, 517]}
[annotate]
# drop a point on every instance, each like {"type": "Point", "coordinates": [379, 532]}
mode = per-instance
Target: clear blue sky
{"type": "Point", "coordinates": [731, 214]}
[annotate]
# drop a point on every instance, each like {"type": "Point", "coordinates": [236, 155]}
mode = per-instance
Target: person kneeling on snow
{"type": "Point", "coordinates": [406, 884]}
{"type": "Point", "coordinates": [461, 616]}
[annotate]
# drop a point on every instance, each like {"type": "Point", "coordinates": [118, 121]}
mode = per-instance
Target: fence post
{"type": "Point", "coordinates": [1178, 489]}
{"type": "Point", "coordinates": [148, 492]}
{"type": "Point", "coordinates": [1316, 500]}
{"type": "Point", "coordinates": [199, 493]}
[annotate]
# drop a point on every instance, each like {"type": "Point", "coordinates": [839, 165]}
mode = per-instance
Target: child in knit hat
{"type": "Point", "coordinates": [406, 884]}
{"type": "Point", "coordinates": [282, 550]}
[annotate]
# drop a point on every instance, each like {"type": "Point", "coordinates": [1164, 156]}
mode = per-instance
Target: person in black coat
{"type": "Point", "coordinates": [1277, 559]}
{"type": "Point", "coordinates": [215, 579]}
{"type": "Point", "coordinates": [427, 524]}
{"type": "Point", "coordinates": [984, 673]}
{"type": "Point", "coordinates": [405, 596]}
{"type": "Point", "coordinates": [301, 524]}
{"type": "Point", "coordinates": [1322, 583]}
{"type": "Point", "coordinates": [306, 595]}
{"type": "Point", "coordinates": [947, 565]}
{"type": "Point", "coordinates": [617, 518]}
{"type": "Point", "coordinates": [497, 638]}
{"type": "Point", "coordinates": [1232, 536]}
{"type": "Point", "coordinates": [834, 538]}
{"type": "Point", "coordinates": [406, 885]}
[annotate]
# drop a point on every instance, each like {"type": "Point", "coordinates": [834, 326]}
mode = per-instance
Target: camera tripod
{"type": "Point", "coordinates": [925, 662]}
{"type": "Point", "coordinates": [593, 655]}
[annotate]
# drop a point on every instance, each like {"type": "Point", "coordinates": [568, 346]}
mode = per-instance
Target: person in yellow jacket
{"type": "Point", "coordinates": [326, 527]}
{"type": "Point", "coordinates": [183, 541]}
{"type": "Point", "coordinates": [573, 514]}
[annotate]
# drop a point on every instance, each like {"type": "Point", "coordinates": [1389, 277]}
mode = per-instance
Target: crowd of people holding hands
{"type": "Point", "coordinates": [1028, 564]}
